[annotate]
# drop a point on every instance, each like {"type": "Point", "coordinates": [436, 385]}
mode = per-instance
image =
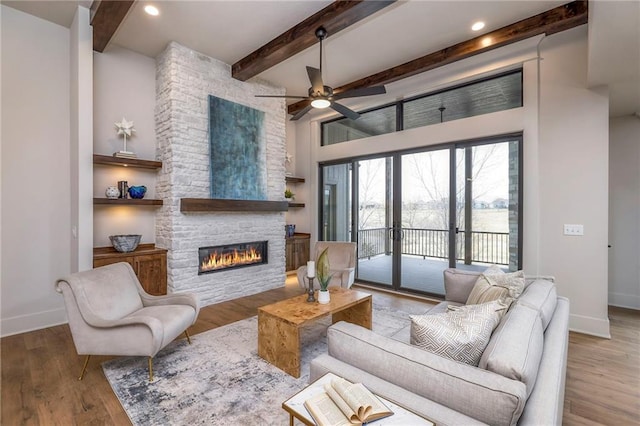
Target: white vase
{"type": "Point", "coordinates": [112, 192]}
{"type": "Point", "coordinates": [323, 297]}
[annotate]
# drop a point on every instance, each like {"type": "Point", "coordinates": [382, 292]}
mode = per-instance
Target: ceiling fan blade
{"type": "Point", "coordinates": [347, 112]}
{"type": "Point", "coordinates": [281, 96]}
{"type": "Point", "coordinates": [315, 77]}
{"type": "Point", "coordinates": [302, 112]}
{"type": "Point", "coordinates": [363, 91]}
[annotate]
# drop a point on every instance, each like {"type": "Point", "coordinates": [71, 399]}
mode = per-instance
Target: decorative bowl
{"type": "Point", "coordinates": [137, 191]}
{"type": "Point", "coordinates": [125, 243]}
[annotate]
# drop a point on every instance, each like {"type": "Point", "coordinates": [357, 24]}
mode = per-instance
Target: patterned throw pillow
{"type": "Point", "coordinates": [495, 284]}
{"type": "Point", "coordinates": [461, 334]}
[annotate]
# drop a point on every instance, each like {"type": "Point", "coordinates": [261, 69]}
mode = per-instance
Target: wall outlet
{"type": "Point", "coordinates": [573, 230]}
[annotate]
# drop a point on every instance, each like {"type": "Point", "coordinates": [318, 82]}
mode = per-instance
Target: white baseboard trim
{"type": "Point", "coordinates": [31, 322]}
{"type": "Point", "coordinates": [622, 300]}
{"type": "Point", "coordinates": [589, 325]}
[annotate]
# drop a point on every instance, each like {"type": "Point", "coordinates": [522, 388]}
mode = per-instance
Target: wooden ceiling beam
{"type": "Point", "coordinates": [106, 17]}
{"type": "Point", "coordinates": [552, 21]}
{"type": "Point", "coordinates": [335, 17]}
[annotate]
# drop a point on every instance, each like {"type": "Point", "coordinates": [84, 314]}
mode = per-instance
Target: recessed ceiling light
{"type": "Point", "coordinates": [477, 26]}
{"type": "Point", "coordinates": [151, 10]}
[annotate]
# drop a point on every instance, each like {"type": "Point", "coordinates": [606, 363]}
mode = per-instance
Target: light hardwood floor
{"type": "Point", "coordinates": [40, 369]}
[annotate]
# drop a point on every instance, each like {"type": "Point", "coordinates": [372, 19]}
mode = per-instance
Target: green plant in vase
{"type": "Point", "coordinates": [288, 194]}
{"type": "Point", "coordinates": [324, 275]}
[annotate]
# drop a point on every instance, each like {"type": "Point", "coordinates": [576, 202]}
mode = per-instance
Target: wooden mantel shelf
{"type": "Point", "coordinates": [221, 205]}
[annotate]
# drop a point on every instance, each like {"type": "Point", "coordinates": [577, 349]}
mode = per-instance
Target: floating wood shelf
{"type": "Point", "coordinates": [296, 204]}
{"type": "Point", "coordinates": [220, 205]}
{"type": "Point", "coordinates": [293, 179]}
{"type": "Point", "coordinates": [127, 202]}
{"type": "Point", "coordinates": [109, 160]}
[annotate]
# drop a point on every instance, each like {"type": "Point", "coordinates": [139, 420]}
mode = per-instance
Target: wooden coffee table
{"type": "Point", "coordinates": [279, 323]}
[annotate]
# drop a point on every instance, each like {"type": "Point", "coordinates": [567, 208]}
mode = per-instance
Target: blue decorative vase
{"type": "Point", "coordinates": [137, 191]}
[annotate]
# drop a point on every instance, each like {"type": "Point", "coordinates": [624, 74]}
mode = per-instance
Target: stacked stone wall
{"type": "Point", "coordinates": [184, 80]}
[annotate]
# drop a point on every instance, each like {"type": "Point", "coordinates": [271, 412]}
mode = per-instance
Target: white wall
{"type": "Point", "coordinates": [81, 77]}
{"type": "Point", "coordinates": [624, 212]}
{"type": "Point", "coordinates": [35, 179]}
{"type": "Point", "coordinates": [565, 129]}
{"type": "Point", "coordinates": [124, 86]}
{"type": "Point", "coordinates": [574, 168]}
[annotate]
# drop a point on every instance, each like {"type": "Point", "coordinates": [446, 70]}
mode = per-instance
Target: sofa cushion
{"type": "Point", "coordinates": [516, 346]}
{"type": "Point", "coordinates": [443, 307]}
{"type": "Point", "coordinates": [461, 334]}
{"type": "Point", "coordinates": [541, 295]}
{"type": "Point", "coordinates": [493, 285]}
{"type": "Point", "coordinates": [458, 284]}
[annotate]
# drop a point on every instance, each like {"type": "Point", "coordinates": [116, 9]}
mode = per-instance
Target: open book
{"type": "Point", "coordinates": [344, 403]}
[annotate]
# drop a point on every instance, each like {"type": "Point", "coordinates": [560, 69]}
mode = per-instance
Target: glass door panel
{"type": "Point", "coordinates": [488, 183]}
{"type": "Point", "coordinates": [336, 202]}
{"type": "Point", "coordinates": [374, 221]}
{"type": "Point", "coordinates": [425, 220]}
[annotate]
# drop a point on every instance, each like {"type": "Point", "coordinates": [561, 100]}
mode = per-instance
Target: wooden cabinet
{"type": "Point", "coordinates": [148, 262]}
{"type": "Point", "coordinates": [297, 251]}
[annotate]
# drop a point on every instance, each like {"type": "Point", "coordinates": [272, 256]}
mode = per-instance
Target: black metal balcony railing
{"type": "Point", "coordinates": [486, 247]}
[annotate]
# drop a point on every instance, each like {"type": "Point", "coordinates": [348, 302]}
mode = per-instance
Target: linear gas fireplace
{"type": "Point", "coordinates": [230, 256]}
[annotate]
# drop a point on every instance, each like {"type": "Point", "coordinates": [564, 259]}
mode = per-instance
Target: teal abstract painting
{"type": "Point", "coordinates": [238, 151]}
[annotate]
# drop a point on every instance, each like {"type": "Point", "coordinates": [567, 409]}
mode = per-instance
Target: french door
{"type": "Point", "coordinates": [414, 214]}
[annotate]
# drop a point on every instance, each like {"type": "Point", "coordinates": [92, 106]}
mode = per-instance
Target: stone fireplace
{"type": "Point", "coordinates": [184, 81]}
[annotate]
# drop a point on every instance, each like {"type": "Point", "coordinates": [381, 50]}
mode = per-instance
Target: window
{"type": "Point", "coordinates": [496, 93]}
{"type": "Point", "coordinates": [371, 123]}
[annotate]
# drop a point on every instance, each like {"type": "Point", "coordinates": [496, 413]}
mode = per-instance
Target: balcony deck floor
{"type": "Point", "coordinates": [419, 274]}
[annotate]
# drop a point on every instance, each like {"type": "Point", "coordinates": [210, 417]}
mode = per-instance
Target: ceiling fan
{"type": "Point", "coordinates": [322, 96]}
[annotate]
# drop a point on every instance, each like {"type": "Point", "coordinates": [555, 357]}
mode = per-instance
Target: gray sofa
{"type": "Point", "coordinates": [519, 380]}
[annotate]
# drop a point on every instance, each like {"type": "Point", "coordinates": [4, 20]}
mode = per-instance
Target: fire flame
{"type": "Point", "coordinates": [217, 260]}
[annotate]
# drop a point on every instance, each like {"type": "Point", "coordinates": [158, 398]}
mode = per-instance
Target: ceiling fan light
{"type": "Point", "coordinates": [320, 103]}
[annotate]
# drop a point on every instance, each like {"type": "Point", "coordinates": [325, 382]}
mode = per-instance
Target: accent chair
{"type": "Point", "coordinates": [342, 263]}
{"type": "Point", "coordinates": [110, 314]}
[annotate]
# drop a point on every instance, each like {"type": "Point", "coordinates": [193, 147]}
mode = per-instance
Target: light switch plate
{"type": "Point", "coordinates": [573, 230]}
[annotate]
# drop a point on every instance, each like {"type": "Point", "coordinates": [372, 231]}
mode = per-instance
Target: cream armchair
{"type": "Point", "coordinates": [110, 314]}
{"type": "Point", "coordinates": [342, 263]}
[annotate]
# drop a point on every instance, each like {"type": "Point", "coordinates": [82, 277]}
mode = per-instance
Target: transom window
{"type": "Point", "coordinates": [496, 93]}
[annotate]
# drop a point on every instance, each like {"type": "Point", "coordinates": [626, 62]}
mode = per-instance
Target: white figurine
{"type": "Point", "coordinates": [125, 128]}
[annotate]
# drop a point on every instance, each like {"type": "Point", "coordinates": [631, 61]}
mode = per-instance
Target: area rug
{"type": "Point", "coordinates": [219, 379]}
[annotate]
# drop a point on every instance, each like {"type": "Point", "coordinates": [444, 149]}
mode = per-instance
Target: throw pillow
{"type": "Point", "coordinates": [461, 334]}
{"type": "Point", "coordinates": [495, 284]}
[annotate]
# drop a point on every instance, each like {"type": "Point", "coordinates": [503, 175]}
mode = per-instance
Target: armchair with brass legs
{"type": "Point", "coordinates": [109, 313]}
